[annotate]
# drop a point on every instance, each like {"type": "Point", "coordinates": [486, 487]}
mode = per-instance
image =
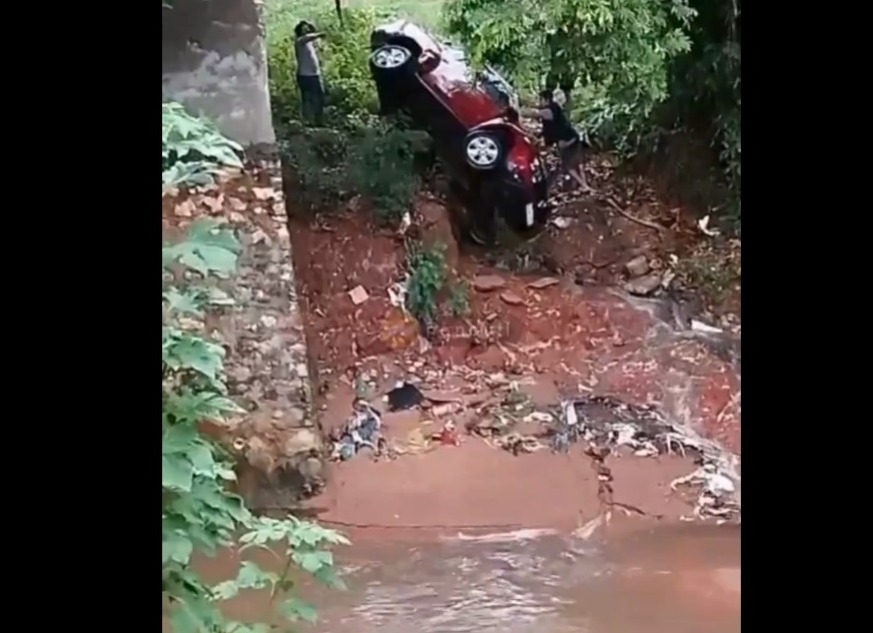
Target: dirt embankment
{"type": "Point", "coordinates": [593, 308]}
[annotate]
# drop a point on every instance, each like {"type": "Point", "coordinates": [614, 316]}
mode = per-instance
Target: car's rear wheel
{"type": "Point", "coordinates": [390, 58]}
{"type": "Point", "coordinates": [483, 150]}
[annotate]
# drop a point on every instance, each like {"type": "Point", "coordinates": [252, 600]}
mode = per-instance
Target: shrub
{"type": "Point", "coordinates": [371, 158]}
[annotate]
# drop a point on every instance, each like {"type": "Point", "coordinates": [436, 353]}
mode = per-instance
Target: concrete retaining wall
{"type": "Point", "coordinates": [214, 61]}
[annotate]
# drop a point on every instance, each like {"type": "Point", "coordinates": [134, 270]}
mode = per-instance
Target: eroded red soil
{"type": "Point", "coordinates": [558, 322]}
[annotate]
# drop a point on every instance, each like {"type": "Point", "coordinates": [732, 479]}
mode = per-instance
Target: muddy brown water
{"type": "Point", "coordinates": [674, 579]}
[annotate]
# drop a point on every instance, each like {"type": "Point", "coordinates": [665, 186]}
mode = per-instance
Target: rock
{"type": "Point", "coordinates": [396, 332]}
{"type": "Point", "coordinates": [637, 267]}
{"type": "Point", "coordinates": [437, 395]}
{"type": "Point", "coordinates": [643, 286]}
{"type": "Point", "coordinates": [312, 468]}
{"type": "Point", "coordinates": [544, 282]}
{"type": "Point", "coordinates": [487, 283]}
{"type": "Point", "coordinates": [240, 374]}
{"type": "Point", "coordinates": [301, 441]}
{"type": "Point", "coordinates": [511, 298]}
{"type": "Point", "coordinates": [358, 295]}
{"type": "Point", "coordinates": [295, 416]}
{"type": "Point", "coordinates": [185, 209]}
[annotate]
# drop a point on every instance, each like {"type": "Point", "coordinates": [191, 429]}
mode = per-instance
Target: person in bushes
{"type": "Point", "coordinates": [309, 78]}
{"type": "Point", "coordinates": [557, 130]}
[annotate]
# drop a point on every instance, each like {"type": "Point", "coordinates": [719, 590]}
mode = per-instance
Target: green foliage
{"type": "Point", "coordinates": [371, 158]}
{"type": "Point", "coordinates": [192, 148]}
{"type": "Point", "coordinates": [427, 275]}
{"type": "Point", "coordinates": [460, 298]}
{"type": "Point", "coordinates": [706, 84]}
{"type": "Point", "coordinates": [616, 53]}
{"type": "Point", "coordinates": [357, 153]}
{"type": "Point", "coordinates": [343, 53]}
{"type": "Point", "coordinates": [199, 513]}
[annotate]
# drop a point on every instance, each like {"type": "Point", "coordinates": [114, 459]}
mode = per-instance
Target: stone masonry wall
{"type": "Point", "coordinates": [213, 60]}
{"type": "Point", "coordinates": [278, 443]}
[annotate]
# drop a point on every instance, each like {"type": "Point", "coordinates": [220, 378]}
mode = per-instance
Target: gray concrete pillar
{"type": "Point", "coordinates": [214, 61]}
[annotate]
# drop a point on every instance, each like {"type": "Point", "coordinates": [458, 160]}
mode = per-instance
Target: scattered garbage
{"type": "Point", "coordinates": [703, 225]}
{"type": "Point", "coordinates": [446, 408]}
{"type": "Point", "coordinates": [448, 435]}
{"type": "Point", "coordinates": [358, 295]}
{"type": "Point", "coordinates": [405, 395]}
{"type": "Point", "coordinates": [362, 430]}
{"type": "Point", "coordinates": [703, 328]}
{"type": "Point", "coordinates": [397, 295]}
{"type": "Point", "coordinates": [561, 221]}
{"type": "Point", "coordinates": [607, 423]}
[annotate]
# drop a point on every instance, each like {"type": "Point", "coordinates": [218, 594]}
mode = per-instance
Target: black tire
{"type": "Point", "coordinates": [390, 81]}
{"type": "Point", "coordinates": [391, 59]}
{"type": "Point", "coordinates": [484, 151]}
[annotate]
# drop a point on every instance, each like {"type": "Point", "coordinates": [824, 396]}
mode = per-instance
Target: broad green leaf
{"type": "Point", "coordinates": [177, 473]}
{"type": "Point", "coordinates": [311, 562]}
{"type": "Point", "coordinates": [176, 547]}
{"type": "Point", "coordinates": [295, 609]}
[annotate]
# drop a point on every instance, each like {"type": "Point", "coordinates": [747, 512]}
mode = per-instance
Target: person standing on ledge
{"type": "Point", "coordinates": [309, 78]}
{"type": "Point", "coordinates": [557, 130]}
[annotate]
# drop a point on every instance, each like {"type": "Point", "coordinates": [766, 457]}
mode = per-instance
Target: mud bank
{"type": "Point", "coordinates": [278, 441]}
{"type": "Point", "coordinates": [542, 319]}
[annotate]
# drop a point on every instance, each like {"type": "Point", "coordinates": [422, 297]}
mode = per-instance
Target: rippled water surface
{"type": "Point", "coordinates": [679, 580]}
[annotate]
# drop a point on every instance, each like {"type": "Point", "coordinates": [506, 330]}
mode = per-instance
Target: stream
{"type": "Point", "coordinates": [670, 579]}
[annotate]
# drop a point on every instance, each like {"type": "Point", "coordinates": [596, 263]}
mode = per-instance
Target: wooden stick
{"type": "Point", "coordinates": [625, 214]}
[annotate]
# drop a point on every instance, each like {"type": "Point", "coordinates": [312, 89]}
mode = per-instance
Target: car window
{"type": "Point", "coordinates": [497, 88]}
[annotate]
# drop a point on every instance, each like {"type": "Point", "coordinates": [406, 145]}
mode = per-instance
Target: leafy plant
{"type": "Point", "coordinates": [460, 298]}
{"type": "Point", "coordinates": [615, 53]}
{"type": "Point", "coordinates": [373, 159]}
{"type": "Point", "coordinates": [427, 275]}
{"type": "Point", "coordinates": [706, 85]}
{"type": "Point", "coordinates": [192, 149]}
{"type": "Point", "coordinates": [199, 512]}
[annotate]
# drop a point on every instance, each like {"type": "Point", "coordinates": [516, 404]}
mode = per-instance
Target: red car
{"type": "Point", "coordinates": [472, 118]}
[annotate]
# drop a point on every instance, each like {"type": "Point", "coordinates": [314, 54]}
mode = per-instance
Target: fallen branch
{"type": "Point", "coordinates": [640, 221]}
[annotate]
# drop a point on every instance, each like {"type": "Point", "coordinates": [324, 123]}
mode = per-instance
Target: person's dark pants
{"type": "Point", "coordinates": [311, 97]}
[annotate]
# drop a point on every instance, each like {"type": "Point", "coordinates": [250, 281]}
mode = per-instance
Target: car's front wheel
{"type": "Point", "coordinates": [390, 58]}
{"type": "Point", "coordinates": [483, 150]}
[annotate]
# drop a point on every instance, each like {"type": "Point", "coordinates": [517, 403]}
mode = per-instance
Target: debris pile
{"type": "Point", "coordinates": [606, 424]}
{"type": "Point", "coordinates": [363, 430]}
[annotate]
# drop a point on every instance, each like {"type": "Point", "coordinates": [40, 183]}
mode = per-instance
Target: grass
{"type": "Point", "coordinates": [428, 13]}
